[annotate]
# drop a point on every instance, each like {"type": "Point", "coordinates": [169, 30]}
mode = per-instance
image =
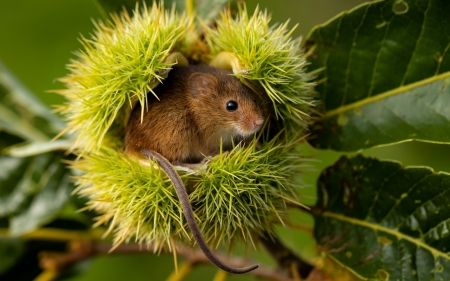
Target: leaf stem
{"type": "Point", "coordinates": [180, 274]}
{"type": "Point", "coordinates": [384, 95]}
{"type": "Point", "coordinates": [16, 125]}
{"type": "Point", "coordinates": [190, 7]}
{"type": "Point", "coordinates": [47, 275]}
{"type": "Point", "coordinates": [221, 276]}
{"type": "Point", "coordinates": [82, 250]}
{"type": "Point", "coordinates": [299, 206]}
{"type": "Point", "coordinates": [285, 258]}
{"type": "Point", "coordinates": [416, 241]}
{"type": "Point", "coordinates": [56, 234]}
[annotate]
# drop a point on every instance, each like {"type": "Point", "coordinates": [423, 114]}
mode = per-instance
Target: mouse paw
{"type": "Point", "coordinates": [201, 165]}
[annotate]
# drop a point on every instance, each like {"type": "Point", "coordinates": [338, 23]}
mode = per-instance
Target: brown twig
{"type": "Point", "coordinates": [285, 258]}
{"type": "Point", "coordinates": [300, 207]}
{"type": "Point", "coordinates": [85, 249]}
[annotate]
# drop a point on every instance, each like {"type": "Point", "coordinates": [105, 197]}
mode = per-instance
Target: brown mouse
{"type": "Point", "coordinates": [197, 106]}
{"type": "Point", "coordinates": [197, 109]}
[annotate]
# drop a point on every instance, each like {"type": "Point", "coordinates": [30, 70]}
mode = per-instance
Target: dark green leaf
{"type": "Point", "coordinates": [75, 270]}
{"type": "Point", "coordinates": [384, 221]}
{"type": "Point", "coordinates": [54, 187]}
{"type": "Point", "coordinates": [19, 126]}
{"type": "Point", "coordinates": [19, 179]}
{"type": "Point", "coordinates": [35, 148]}
{"type": "Point", "coordinates": [10, 251]}
{"type": "Point", "coordinates": [27, 267]}
{"type": "Point", "coordinates": [22, 114]}
{"type": "Point", "coordinates": [386, 70]}
{"type": "Point", "coordinates": [7, 140]}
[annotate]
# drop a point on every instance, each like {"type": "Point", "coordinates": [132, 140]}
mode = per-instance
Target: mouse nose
{"type": "Point", "coordinates": [258, 123]}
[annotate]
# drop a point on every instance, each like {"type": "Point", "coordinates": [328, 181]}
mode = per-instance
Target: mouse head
{"type": "Point", "coordinates": [224, 106]}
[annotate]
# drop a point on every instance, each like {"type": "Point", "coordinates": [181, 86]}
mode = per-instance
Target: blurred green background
{"type": "Point", "coordinates": [37, 40]}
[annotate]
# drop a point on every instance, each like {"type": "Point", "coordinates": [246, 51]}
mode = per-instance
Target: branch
{"type": "Point", "coordinates": [82, 250]}
{"type": "Point", "coordinates": [301, 207]}
{"type": "Point", "coordinates": [86, 246]}
{"type": "Point", "coordinates": [285, 258]}
{"type": "Point", "coordinates": [57, 234]}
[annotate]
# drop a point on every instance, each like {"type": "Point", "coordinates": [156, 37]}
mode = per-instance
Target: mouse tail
{"type": "Point", "coordinates": [189, 213]}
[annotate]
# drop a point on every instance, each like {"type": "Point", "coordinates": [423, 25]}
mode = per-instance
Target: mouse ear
{"type": "Point", "coordinates": [202, 84]}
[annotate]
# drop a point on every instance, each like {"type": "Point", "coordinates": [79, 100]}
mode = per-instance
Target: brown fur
{"type": "Point", "coordinates": [190, 118]}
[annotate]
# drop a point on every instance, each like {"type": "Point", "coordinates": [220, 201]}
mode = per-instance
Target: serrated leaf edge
{"type": "Point", "coordinates": [399, 235]}
{"type": "Point", "coordinates": [384, 95]}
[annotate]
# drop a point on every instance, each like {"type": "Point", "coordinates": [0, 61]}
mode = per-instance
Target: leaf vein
{"type": "Point", "coordinates": [347, 70]}
{"type": "Point", "coordinates": [395, 233]}
{"type": "Point", "coordinates": [399, 201]}
{"type": "Point", "coordinates": [402, 120]}
{"type": "Point", "coordinates": [437, 225]}
{"type": "Point", "coordinates": [431, 107]}
{"type": "Point", "coordinates": [442, 58]}
{"type": "Point", "coordinates": [421, 205]}
{"type": "Point", "coordinates": [328, 54]}
{"type": "Point", "coordinates": [375, 200]}
{"type": "Point", "coordinates": [377, 60]}
{"type": "Point", "coordinates": [415, 46]}
{"type": "Point", "coordinates": [384, 95]}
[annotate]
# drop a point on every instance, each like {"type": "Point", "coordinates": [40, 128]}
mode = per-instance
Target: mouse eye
{"type": "Point", "coordinates": [232, 106]}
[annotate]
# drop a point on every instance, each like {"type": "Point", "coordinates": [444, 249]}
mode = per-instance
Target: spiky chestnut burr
{"type": "Point", "coordinates": [241, 193]}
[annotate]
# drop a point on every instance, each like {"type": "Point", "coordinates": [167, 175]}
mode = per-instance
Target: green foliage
{"type": "Point", "coordinates": [386, 70]}
{"type": "Point", "coordinates": [376, 217]}
{"type": "Point", "coordinates": [49, 180]}
{"type": "Point", "coordinates": [209, 10]}
{"type": "Point", "coordinates": [22, 114]}
{"type": "Point", "coordinates": [383, 75]}
{"type": "Point", "coordinates": [24, 181]}
{"type": "Point", "coordinates": [384, 80]}
{"type": "Point", "coordinates": [33, 189]}
{"type": "Point", "coordinates": [10, 251]}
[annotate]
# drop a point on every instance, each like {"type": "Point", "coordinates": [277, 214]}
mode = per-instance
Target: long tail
{"type": "Point", "coordinates": [189, 213]}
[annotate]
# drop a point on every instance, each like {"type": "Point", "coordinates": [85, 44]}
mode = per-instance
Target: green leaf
{"type": "Point", "coordinates": [384, 221]}
{"type": "Point", "coordinates": [385, 72]}
{"type": "Point", "coordinates": [21, 112]}
{"type": "Point", "coordinates": [209, 10]}
{"type": "Point", "coordinates": [7, 140]}
{"type": "Point", "coordinates": [10, 251]}
{"type": "Point", "coordinates": [18, 181]}
{"type": "Point", "coordinates": [54, 187]}
{"type": "Point", "coordinates": [17, 125]}
{"type": "Point", "coordinates": [35, 148]}
{"type": "Point", "coordinates": [33, 190]}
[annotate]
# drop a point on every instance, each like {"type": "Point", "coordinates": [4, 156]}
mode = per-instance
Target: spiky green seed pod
{"type": "Point", "coordinates": [268, 56]}
{"type": "Point", "coordinates": [240, 194]}
{"type": "Point", "coordinates": [123, 61]}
